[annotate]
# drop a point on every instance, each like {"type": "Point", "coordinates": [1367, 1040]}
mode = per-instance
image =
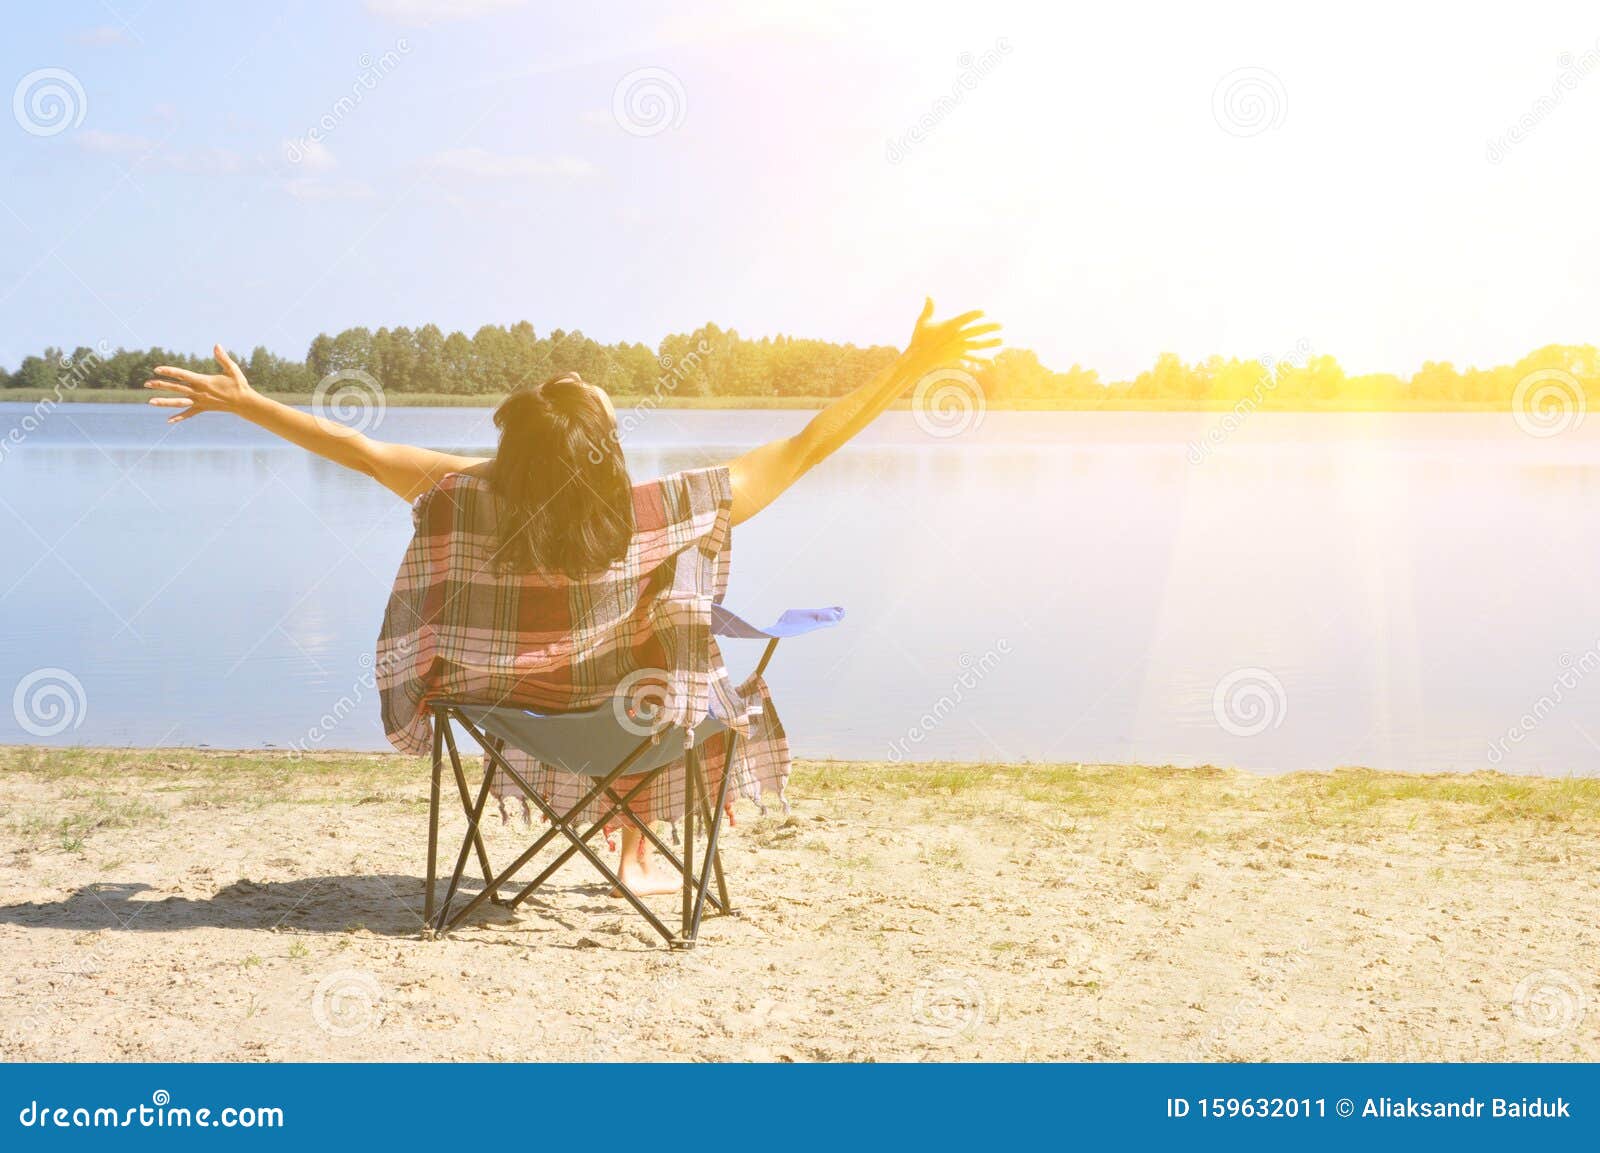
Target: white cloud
{"type": "Point", "coordinates": [104, 34]}
{"type": "Point", "coordinates": [94, 140]}
{"type": "Point", "coordinates": [199, 160]}
{"type": "Point", "coordinates": [315, 188]}
{"type": "Point", "coordinates": [424, 12]}
{"type": "Point", "coordinates": [312, 155]}
{"type": "Point", "coordinates": [483, 163]}
{"type": "Point", "coordinates": [207, 160]}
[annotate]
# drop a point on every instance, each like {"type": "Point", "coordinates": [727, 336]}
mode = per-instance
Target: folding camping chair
{"type": "Point", "coordinates": [595, 744]}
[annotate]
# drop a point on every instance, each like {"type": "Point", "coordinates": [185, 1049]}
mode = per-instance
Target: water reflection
{"type": "Point", "coordinates": [1413, 584]}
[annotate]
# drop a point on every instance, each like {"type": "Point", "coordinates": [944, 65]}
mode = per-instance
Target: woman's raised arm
{"type": "Point", "coordinates": [761, 475]}
{"type": "Point", "coordinates": [404, 469]}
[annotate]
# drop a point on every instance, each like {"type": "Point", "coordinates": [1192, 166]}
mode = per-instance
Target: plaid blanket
{"type": "Point", "coordinates": [637, 636]}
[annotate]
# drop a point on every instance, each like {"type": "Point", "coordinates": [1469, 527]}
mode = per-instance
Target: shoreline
{"type": "Point", "coordinates": [449, 400]}
{"type": "Point", "coordinates": [898, 769]}
{"type": "Point", "coordinates": [901, 769]}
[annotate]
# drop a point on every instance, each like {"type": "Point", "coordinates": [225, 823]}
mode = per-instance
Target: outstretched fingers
{"type": "Point", "coordinates": [182, 374]}
{"type": "Point", "coordinates": [227, 363]}
{"type": "Point", "coordinates": [186, 407]}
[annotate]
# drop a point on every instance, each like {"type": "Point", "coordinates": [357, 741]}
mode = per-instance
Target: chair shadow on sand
{"type": "Point", "coordinates": [387, 904]}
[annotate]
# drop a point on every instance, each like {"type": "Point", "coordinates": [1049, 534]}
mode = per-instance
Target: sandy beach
{"type": "Point", "coordinates": [194, 905]}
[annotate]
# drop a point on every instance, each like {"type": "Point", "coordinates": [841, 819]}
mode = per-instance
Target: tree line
{"type": "Point", "coordinates": [716, 362]}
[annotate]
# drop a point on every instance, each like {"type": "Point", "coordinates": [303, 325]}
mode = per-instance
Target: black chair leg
{"type": "Point", "coordinates": [466, 848]}
{"type": "Point", "coordinates": [579, 842]}
{"type": "Point", "coordinates": [713, 858]}
{"type": "Point", "coordinates": [723, 904]}
{"type": "Point", "coordinates": [558, 825]}
{"type": "Point", "coordinates": [466, 807]}
{"type": "Point", "coordinates": [433, 825]}
{"type": "Point", "coordinates": [698, 810]}
{"type": "Point", "coordinates": [691, 767]}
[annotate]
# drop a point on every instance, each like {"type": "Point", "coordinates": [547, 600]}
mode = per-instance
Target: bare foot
{"type": "Point", "coordinates": [650, 885]}
{"type": "Point", "coordinates": [648, 878]}
{"type": "Point", "coordinates": [641, 869]}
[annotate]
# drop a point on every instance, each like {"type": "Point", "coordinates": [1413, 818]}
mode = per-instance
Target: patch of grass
{"type": "Point", "coordinates": [93, 810]}
{"type": "Point", "coordinates": [176, 767]}
{"type": "Point", "coordinates": [101, 788]}
{"type": "Point", "coordinates": [1160, 797]}
{"type": "Point", "coordinates": [943, 856]}
{"type": "Point", "coordinates": [1483, 797]}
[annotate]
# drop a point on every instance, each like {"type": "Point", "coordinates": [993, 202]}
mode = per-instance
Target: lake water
{"type": "Point", "coordinates": [1401, 591]}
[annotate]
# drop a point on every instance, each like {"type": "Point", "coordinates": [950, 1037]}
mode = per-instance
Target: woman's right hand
{"type": "Point", "coordinates": [198, 392]}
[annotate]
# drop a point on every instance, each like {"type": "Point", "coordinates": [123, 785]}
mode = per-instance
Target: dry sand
{"type": "Point", "coordinates": [183, 905]}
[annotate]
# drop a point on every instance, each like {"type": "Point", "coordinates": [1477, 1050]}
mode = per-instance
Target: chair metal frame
{"type": "Point", "coordinates": [696, 891]}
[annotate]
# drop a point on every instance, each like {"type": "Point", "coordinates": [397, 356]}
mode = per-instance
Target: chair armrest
{"type": "Point", "coordinates": [792, 623]}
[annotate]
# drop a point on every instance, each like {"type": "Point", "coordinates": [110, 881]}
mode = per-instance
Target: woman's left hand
{"type": "Point", "coordinates": [199, 392]}
{"type": "Point", "coordinates": [944, 343]}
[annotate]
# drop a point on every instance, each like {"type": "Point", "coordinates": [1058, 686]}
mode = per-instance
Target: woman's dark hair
{"type": "Point", "coordinates": [566, 503]}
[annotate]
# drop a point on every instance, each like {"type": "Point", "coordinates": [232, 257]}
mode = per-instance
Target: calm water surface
{"type": "Point", "coordinates": [1400, 591]}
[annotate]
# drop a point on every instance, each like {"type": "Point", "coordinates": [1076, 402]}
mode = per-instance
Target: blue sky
{"type": "Point", "coordinates": [1092, 186]}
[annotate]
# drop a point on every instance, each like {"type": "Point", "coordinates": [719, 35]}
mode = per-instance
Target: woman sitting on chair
{"type": "Point", "coordinates": [595, 581]}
